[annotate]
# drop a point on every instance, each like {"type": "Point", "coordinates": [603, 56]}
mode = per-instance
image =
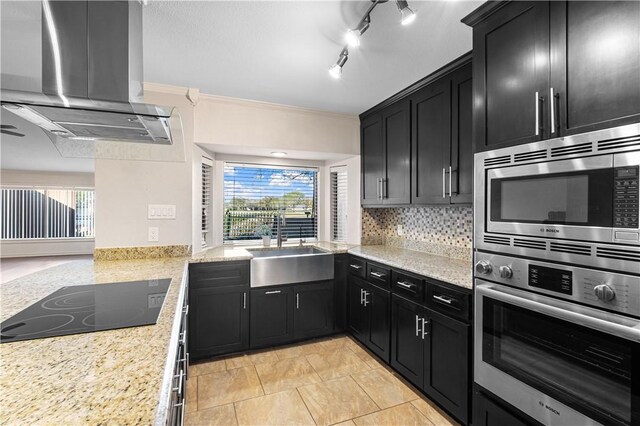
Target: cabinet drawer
{"type": "Point", "coordinates": [407, 285]}
{"type": "Point", "coordinates": [219, 274]}
{"type": "Point", "coordinates": [378, 274]}
{"type": "Point", "coordinates": [357, 267]}
{"type": "Point", "coordinates": [449, 301]}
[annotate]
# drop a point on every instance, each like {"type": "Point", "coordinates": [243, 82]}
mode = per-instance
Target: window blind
{"type": "Point", "coordinates": [207, 171]}
{"type": "Point", "coordinates": [338, 204]}
{"type": "Point", "coordinates": [255, 195]}
{"type": "Point", "coordinates": [30, 213]}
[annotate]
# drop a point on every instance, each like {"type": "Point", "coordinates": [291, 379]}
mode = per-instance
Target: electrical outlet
{"type": "Point", "coordinates": [153, 233]}
{"type": "Point", "coordinates": [400, 230]}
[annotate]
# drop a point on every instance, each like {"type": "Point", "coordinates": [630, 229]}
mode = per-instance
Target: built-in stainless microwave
{"type": "Point", "coordinates": [573, 199]}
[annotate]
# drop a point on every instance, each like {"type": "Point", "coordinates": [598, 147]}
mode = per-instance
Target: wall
{"type": "Point", "coordinates": [228, 121]}
{"type": "Point", "coordinates": [442, 230]}
{"type": "Point", "coordinates": [61, 246]}
{"type": "Point", "coordinates": [124, 188]}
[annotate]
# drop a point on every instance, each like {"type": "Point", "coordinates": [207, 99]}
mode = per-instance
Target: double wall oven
{"type": "Point", "coordinates": [557, 278]}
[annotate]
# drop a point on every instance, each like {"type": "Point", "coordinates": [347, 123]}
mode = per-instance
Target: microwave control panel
{"type": "Point", "coordinates": [625, 197]}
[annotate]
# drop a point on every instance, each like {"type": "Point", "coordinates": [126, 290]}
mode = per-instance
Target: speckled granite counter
{"type": "Point", "coordinates": [106, 377]}
{"type": "Point", "coordinates": [454, 271]}
{"type": "Point", "coordinates": [226, 253]}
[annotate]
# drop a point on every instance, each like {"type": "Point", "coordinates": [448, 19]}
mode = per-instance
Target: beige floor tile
{"type": "Point", "coordinates": [405, 414]}
{"type": "Point", "coordinates": [433, 413]}
{"type": "Point", "coordinates": [225, 415]}
{"type": "Point", "coordinates": [283, 408]}
{"type": "Point", "coordinates": [335, 343]}
{"type": "Point", "coordinates": [385, 389]}
{"type": "Point", "coordinates": [228, 386]}
{"type": "Point", "coordinates": [286, 374]}
{"type": "Point", "coordinates": [207, 367]}
{"type": "Point", "coordinates": [342, 362]}
{"type": "Point", "coordinates": [347, 423]}
{"type": "Point", "coordinates": [191, 397]}
{"type": "Point", "coordinates": [262, 357]}
{"type": "Point", "coordinates": [238, 361]}
{"type": "Point", "coordinates": [365, 356]}
{"type": "Point", "coordinates": [336, 401]}
{"type": "Point", "coordinates": [299, 350]}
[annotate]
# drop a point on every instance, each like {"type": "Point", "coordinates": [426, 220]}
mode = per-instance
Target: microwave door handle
{"type": "Point", "coordinates": [617, 325]}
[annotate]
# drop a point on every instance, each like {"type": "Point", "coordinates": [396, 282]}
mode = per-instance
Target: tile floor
{"type": "Point", "coordinates": [322, 382]}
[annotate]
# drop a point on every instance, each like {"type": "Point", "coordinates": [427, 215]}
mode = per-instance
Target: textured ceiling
{"type": "Point", "coordinates": [281, 51]}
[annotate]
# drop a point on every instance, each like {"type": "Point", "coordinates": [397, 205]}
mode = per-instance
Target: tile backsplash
{"type": "Point", "coordinates": [444, 230]}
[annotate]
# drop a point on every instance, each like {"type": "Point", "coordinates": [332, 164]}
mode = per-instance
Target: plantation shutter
{"type": "Point", "coordinates": [207, 171]}
{"type": "Point", "coordinates": [339, 204]}
{"type": "Point", "coordinates": [256, 195]}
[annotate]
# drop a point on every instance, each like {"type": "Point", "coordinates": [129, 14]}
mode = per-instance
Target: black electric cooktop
{"type": "Point", "coordinates": [87, 308]}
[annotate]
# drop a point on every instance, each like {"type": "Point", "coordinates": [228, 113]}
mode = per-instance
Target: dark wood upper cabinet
{"type": "Point", "coordinates": [549, 69]}
{"type": "Point", "coordinates": [372, 156]}
{"type": "Point", "coordinates": [431, 141]}
{"type": "Point", "coordinates": [425, 134]}
{"type": "Point", "coordinates": [595, 64]}
{"type": "Point", "coordinates": [396, 181]}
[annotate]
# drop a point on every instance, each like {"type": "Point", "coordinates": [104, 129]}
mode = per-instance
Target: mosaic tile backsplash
{"type": "Point", "coordinates": [443, 230]}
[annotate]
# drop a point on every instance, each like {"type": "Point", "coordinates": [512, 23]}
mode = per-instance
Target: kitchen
{"type": "Point", "coordinates": [260, 230]}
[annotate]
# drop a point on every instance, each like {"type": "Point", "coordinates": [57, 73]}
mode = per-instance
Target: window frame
{"type": "Point", "coordinates": [333, 203]}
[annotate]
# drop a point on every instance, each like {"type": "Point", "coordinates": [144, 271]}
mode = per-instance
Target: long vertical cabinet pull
{"type": "Point", "coordinates": [418, 322]}
{"type": "Point", "coordinates": [450, 190]}
{"type": "Point", "coordinates": [297, 300]}
{"type": "Point", "coordinates": [244, 300]}
{"type": "Point", "coordinates": [537, 114]}
{"type": "Point", "coordinates": [366, 294]}
{"type": "Point", "coordinates": [553, 114]}
{"type": "Point", "coordinates": [361, 296]}
{"type": "Point", "coordinates": [384, 187]}
{"type": "Point", "coordinates": [425, 323]}
{"type": "Point", "coordinates": [444, 191]}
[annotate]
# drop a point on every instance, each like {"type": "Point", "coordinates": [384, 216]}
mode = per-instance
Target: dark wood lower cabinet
{"type": "Point", "coordinates": [489, 412]}
{"type": "Point", "coordinates": [357, 312]}
{"type": "Point", "coordinates": [340, 289]}
{"type": "Point", "coordinates": [432, 351]}
{"type": "Point", "coordinates": [370, 316]}
{"type": "Point", "coordinates": [313, 314]}
{"type": "Point", "coordinates": [271, 316]}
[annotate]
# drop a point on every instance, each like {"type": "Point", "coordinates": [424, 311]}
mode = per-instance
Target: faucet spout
{"type": "Point", "coordinates": [281, 222]}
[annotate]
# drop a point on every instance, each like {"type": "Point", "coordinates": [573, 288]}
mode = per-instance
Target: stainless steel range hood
{"type": "Point", "coordinates": [92, 78]}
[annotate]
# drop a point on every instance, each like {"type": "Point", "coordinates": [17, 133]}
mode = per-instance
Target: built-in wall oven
{"type": "Point", "coordinates": [557, 277]}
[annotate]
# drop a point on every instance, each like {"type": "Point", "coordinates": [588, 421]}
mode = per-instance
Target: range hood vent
{"type": "Point", "coordinates": [92, 77]}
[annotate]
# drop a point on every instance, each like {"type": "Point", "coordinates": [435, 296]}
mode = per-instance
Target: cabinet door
{"type": "Point", "coordinates": [486, 412]}
{"type": "Point", "coordinates": [218, 321]}
{"type": "Point", "coordinates": [397, 142]}
{"type": "Point", "coordinates": [431, 138]}
{"type": "Point", "coordinates": [271, 316]}
{"type": "Point", "coordinates": [446, 367]}
{"type": "Point", "coordinates": [313, 314]}
{"type": "Point", "coordinates": [372, 152]}
{"type": "Point", "coordinates": [358, 315]}
{"type": "Point", "coordinates": [378, 304]}
{"type": "Point", "coordinates": [407, 344]}
{"type": "Point", "coordinates": [511, 64]}
{"type": "Point", "coordinates": [595, 68]}
{"type": "Point", "coordinates": [461, 186]}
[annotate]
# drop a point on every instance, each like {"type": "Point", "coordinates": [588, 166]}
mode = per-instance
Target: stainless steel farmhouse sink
{"type": "Point", "coordinates": [289, 266]}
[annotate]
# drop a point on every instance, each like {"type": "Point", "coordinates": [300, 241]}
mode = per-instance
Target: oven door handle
{"type": "Point", "coordinates": [614, 324]}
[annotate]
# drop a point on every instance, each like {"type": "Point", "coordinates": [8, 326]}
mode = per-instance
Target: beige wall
{"type": "Point", "coordinates": [228, 121]}
{"type": "Point", "coordinates": [125, 188]}
{"type": "Point", "coordinates": [46, 179]}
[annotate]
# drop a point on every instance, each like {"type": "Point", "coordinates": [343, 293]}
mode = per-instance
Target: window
{"type": "Point", "coordinates": [339, 204]}
{"type": "Point", "coordinates": [207, 169]}
{"type": "Point", "coordinates": [254, 196]}
{"type": "Point", "coordinates": [30, 213]}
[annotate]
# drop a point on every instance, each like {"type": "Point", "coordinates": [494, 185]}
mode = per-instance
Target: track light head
{"type": "Point", "coordinates": [407, 15]}
{"type": "Point", "coordinates": [353, 36]}
{"type": "Point", "coordinates": [336, 70]}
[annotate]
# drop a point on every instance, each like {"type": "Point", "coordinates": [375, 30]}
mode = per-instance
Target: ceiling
{"type": "Point", "coordinates": [280, 51]}
{"type": "Point", "coordinates": [272, 51]}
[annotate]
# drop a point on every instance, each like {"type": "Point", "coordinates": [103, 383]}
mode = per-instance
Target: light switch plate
{"type": "Point", "coordinates": [161, 211]}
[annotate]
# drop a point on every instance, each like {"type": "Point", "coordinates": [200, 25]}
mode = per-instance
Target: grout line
{"type": "Point", "coordinates": [235, 413]}
{"type": "Point", "coordinates": [366, 393]}
{"type": "Point", "coordinates": [306, 406]}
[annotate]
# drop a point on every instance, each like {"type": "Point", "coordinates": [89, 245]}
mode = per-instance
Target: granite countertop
{"type": "Point", "coordinates": [455, 271]}
{"type": "Point", "coordinates": [228, 253]}
{"type": "Point", "coordinates": [113, 376]}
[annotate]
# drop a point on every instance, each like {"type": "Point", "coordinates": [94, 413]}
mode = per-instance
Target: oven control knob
{"type": "Point", "coordinates": [484, 267]}
{"type": "Point", "coordinates": [604, 292]}
{"type": "Point", "coordinates": [505, 272]}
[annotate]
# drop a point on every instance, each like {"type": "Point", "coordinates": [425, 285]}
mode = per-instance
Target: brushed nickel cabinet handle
{"type": "Point", "coordinates": [355, 266]}
{"type": "Point", "coordinates": [377, 274]}
{"type": "Point", "coordinates": [406, 285]}
{"type": "Point", "coordinates": [443, 183]}
{"type": "Point", "coordinates": [418, 320]}
{"type": "Point", "coordinates": [244, 300]}
{"type": "Point", "coordinates": [297, 300]}
{"type": "Point", "coordinates": [443, 299]}
{"type": "Point", "coordinates": [553, 118]}
{"type": "Point", "coordinates": [273, 292]}
{"type": "Point", "coordinates": [537, 113]}
{"type": "Point", "coordinates": [450, 190]}
{"type": "Point", "coordinates": [425, 323]}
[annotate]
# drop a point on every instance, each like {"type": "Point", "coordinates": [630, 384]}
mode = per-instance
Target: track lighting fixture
{"type": "Point", "coordinates": [352, 37]}
{"type": "Point", "coordinates": [407, 15]}
{"type": "Point", "coordinates": [336, 70]}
